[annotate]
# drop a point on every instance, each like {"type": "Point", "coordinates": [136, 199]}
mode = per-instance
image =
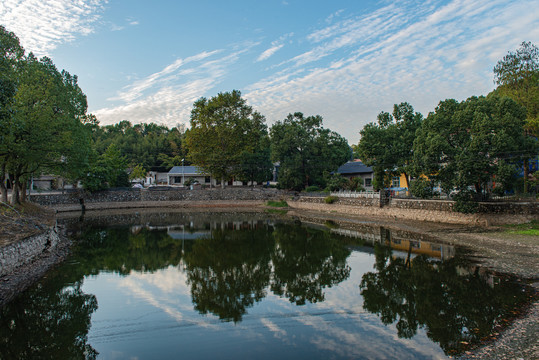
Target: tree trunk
{"type": "Point", "coordinates": [3, 187]}
{"type": "Point", "coordinates": [526, 171]}
{"type": "Point", "coordinates": [23, 195]}
{"type": "Point", "coordinates": [15, 200]}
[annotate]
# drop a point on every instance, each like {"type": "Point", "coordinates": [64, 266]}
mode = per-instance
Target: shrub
{"type": "Point", "coordinates": [465, 202]}
{"type": "Point", "coordinates": [330, 199]}
{"type": "Point", "coordinates": [274, 203]}
{"type": "Point", "coordinates": [312, 188]}
{"type": "Point", "coordinates": [422, 188]}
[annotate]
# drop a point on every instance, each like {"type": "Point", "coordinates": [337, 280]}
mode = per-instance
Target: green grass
{"type": "Point", "coordinates": [531, 228]}
{"type": "Point", "coordinates": [274, 203]}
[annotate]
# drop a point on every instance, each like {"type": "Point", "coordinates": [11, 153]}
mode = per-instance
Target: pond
{"type": "Point", "coordinates": [253, 285]}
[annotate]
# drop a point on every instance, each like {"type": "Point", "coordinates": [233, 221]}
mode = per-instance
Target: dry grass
{"type": "Point", "coordinates": [21, 221]}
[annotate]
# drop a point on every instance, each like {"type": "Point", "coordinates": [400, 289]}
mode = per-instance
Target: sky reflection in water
{"type": "Point", "coordinates": [244, 286]}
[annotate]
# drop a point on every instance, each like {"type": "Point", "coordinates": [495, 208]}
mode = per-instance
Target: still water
{"type": "Point", "coordinates": [229, 286]}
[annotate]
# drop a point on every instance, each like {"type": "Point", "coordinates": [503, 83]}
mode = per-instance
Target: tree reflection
{"type": "Point", "coordinates": [50, 322]}
{"type": "Point", "coordinates": [305, 262]}
{"type": "Point", "coordinates": [122, 250]}
{"type": "Point", "coordinates": [456, 307]}
{"type": "Point", "coordinates": [229, 271]}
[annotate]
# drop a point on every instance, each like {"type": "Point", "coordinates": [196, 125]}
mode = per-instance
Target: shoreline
{"type": "Point", "coordinates": [496, 250]}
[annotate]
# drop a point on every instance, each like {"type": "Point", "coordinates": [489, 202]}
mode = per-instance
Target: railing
{"type": "Point", "coordinates": [356, 194]}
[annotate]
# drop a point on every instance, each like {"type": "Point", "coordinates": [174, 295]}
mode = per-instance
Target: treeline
{"type": "Point", "coordinates": [470, 148]}
{"type": "Point", "coordinates": [45, 129]}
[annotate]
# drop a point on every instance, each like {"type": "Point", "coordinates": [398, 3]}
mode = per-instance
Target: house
{"type": "Point", "coordinates": [179, 175]}
{"type": "Point", "coordinates": [356, 168]}
{"type": "Point", "coordinates": [158, 175]}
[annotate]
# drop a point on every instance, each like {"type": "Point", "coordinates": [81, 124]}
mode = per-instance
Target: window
{"type": "Point", "coordinates": [368, 182]}
{"type": "Point", "coordinates": [396, 182]}
{"type": "Point", "coordinates": [177, 179]}
{"type": "Point", "coordinates": [207, 180]}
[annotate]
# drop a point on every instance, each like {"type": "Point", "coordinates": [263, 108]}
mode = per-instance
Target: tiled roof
{"type": "Point", "coordinates": [354, 167]}
{"type": "Point", "coordinates": [191, 170]}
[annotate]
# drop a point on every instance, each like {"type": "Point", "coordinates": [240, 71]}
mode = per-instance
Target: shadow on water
{"type": "Point", "coordinates": [233, 261]}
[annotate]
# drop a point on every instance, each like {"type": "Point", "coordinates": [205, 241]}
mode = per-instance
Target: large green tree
{"type": "Point", "coordinates": [517, 76]}
{"type": "Point", "coordinates": [305, 150]}
{"type": "Point", "coordinates": [45, 130]}
{"type": "Point", "coordinates": [11, 52]}
{"type": "Point", "coordinates": [467, 144]}
{"type": "Point", "coordinates": [387, 144]}
{"type": "Point", "coordinates": [223, 129]}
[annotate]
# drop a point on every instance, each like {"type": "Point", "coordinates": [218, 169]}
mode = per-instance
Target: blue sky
{"type": "Point", "coordinates": [347, 60]}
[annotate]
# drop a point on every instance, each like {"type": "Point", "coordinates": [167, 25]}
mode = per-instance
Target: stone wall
{"type": "Point", "coordinates": [24, 252]}
{"type": "Point", "coordinates": [425, 210]}
{"type": "Point", "coordinates": [167, 194]}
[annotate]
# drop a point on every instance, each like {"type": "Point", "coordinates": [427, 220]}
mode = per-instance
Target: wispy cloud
{"type": "Point", "coordinates": [402, 52]}
{"type": "Point", "coordinates": [275, 46]}
{"type": "Point", "coordinates": [43, 25]}
{"type": "Point", "coordinates": [166, 97]}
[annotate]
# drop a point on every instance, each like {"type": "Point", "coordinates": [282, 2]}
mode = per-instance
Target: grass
{"type": "Point", "coordinates": [279, 204]}
{"type": "Point", "coordinates": [531, 228]}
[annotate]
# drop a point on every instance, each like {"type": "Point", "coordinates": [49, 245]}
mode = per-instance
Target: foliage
{"type": "Point", "coordinates": [108, 170]}
{"type": "Point", "coordinates": [517, 76]}
{"type": "Point", "coordinates": [312, 188]}
{"type": "Point", "coordinates": [422, 188]}
{"type": "Point", "coordinates": [224, 130]}
{"type": "Point", "coordinates": [138, 172]}
{"type": "Point", "coordinates": [462, 145]}
{"type": "Point", "coordinates": [305, 150]}
{"type": "Point", "coordinates": [387, 145]}
{"type": "Point", "coordinates": [330, 199]}
{"type": "Point", "coordinates": [274, 203]}
{"type": "Point", "coordinates": [355, 184]}
{"type": "Point", "coordinates": [45, 129]}
{"type": "Point", "coordinates": [145, 144]}
{"type": "Point", "coordinates": [256, 166]}
{"type": "Point", "coordinates": [465, 202]}
{"type": "Point", "coordinates": [336, 182]}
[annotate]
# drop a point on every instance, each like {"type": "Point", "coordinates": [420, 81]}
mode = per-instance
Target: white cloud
{"type": "Point", "coordinates": [272, 50]}
{"type": "Point", "coordinates": [402, 52]}
{"type": "Point", "coordinates": [43, 25]}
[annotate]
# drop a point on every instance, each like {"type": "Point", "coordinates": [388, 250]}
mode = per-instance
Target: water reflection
{"type": "Point", "coordinates": [457, 304]}
{"type": "Point", "coordinates": [226, 266]}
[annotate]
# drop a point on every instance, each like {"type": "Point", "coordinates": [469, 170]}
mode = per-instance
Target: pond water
{"type": "Point", "coordinates": [228, 286]}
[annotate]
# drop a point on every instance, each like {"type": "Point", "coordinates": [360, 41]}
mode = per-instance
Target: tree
{"type": "Point", "coordinates": [517, 76]}
{"type": "Point", "coordinates": [222, 129]}
{"type": "Point", "coordinates": [387, 145]}
{"type": "Point", "coordinates": [466, 144]}
{"type": "Point", "coordinates": [306, 150]}
{"type": "Point", "coordinates": [44, 130]}
{"type": "Point", "coordinates": [11, 53]}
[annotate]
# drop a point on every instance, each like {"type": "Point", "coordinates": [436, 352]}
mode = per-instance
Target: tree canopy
{"type": "Point", "coordinates": [465, 144]}
{"type": "Point", "coordinates": [305, 150]}
{"type": "Point", "coordinates": [387, 144]}
{"type": "Point", "coordinates": [223, 129]}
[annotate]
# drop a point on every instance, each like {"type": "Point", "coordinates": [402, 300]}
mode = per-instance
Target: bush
{"type": "Point", "coordinates": [422, 188]}
{"type": "Point", "coordinates": [356, 184]}
{"type": "Point", "coordinates": [465, 202]}
{"type": "Point", "coordinates": [312, 188]}
{"type": "Point", "coordinates": [274, 203]}
{"type": "Point", "coordinates": [330, 199]}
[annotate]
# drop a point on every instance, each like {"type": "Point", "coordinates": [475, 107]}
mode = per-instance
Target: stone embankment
{"type": "Point", "coordinates": [423, 210]}
{"type": "Point", "coordinates": [24, 262]}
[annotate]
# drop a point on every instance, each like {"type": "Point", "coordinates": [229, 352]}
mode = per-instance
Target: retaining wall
{"type": "Point", "coordinates": [24, 252]}
{"type": "Point", "coordinates": [137, 195]}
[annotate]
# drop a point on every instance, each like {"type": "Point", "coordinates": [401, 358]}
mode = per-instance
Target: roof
{"type": "Point", "coordinates": [186, 170]}
{"type": "Point", "coordinates": [354, 167]}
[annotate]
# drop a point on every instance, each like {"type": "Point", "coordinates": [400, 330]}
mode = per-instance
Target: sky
{"type": "Point", "coordinates": [346, 60]}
